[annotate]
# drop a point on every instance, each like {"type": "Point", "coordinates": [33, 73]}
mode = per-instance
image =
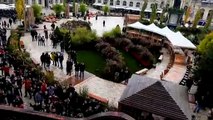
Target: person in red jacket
{"type": "Point", "coordinates": [6, 70]}
{"type": "Point", "coordinates": [28, 84]}
{"type": "Point", "coordinates": [43, 87]}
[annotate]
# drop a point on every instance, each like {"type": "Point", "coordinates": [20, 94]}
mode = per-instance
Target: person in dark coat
{"type": "Point", "coordinates": [61, 58]}
{"type": "Point", "coordinates": [69, 65]}
{"type": "Point", "coordinates": [77, 68]}
{"type": "Point", "coordinates": [104, 23]}
{"type": "Point", "coordinates": [10, 21]}
{"type": "Point", "coordinates": [53, 26]}
{"type": "Point", "coordinates": [82, 68]}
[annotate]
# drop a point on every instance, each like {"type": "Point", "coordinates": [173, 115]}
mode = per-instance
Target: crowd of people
{"type": "Point", "coordinates": [47, 98]}
{"type": "Point", "coordinates": [56, 58]}
{"type": "Point", "coordinates": [15, 77]}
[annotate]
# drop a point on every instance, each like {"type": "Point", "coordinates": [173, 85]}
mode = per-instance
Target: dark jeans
{"type": "Point", "coordinates": [29, 92]}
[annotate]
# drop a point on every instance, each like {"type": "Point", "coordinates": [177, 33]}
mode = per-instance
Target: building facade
{"type": "Point", "coordinates": [206, 6]}
{"type": "Point", "coordinates": [44, 3]}
{"type": "Point", "coordinates": [135, 4]}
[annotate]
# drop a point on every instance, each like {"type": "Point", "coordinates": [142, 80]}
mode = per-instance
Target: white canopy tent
{"type": "Point", "coordinates": [5, 7]}
{"type": "Point", "coordinates": [176, 38]}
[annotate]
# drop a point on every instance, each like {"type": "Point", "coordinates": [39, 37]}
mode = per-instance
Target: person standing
{"type": "Point", "coordinates": [104, 23]}
{"type": "Point", "coordinates": [69, 67]}
{"type": "Point", "coordinates": [10, 21]}
{"type": "Point", "coordinates": [77, 67]}
{"type": "Point", "coordinates": [53, 26]}
{"type": "Point", "coordinates": [45, 32]}
{"type": "Point", "coordinates": [82, 68]}
{"type": "Point", "coordinates": [27, 83]}
{"type": "Point", "coordinates": [61, 58]}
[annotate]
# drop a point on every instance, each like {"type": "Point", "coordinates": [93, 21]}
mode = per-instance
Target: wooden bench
{"type": "Point", "coordinates": [142, 72]}
{"type": "Point", "coordinates": [21, 44]}
{"type": "Point", "coordinates": [98, 98]}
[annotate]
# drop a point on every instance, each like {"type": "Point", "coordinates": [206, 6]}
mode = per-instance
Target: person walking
{"type": "Point", "coordinates": [104, 23]}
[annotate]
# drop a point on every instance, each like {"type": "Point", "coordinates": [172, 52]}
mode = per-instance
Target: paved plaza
{"type": "Point", "coordinates": [97, 86]}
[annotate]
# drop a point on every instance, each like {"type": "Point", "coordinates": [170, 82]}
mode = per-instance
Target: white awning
{"type": "Point", "coordinates": [138, 25]}
{"type": "Point", "coordinates": [98, 4]}
{"type": "Point", "coordinates": [132, 8]}
{"type": "Point", "coordinates": [5, 7]}
{"type": "Point", "coordinates": [176, 38]}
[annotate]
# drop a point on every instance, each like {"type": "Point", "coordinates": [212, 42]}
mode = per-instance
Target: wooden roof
{"type": "Point", "coordinates": [156, 98]}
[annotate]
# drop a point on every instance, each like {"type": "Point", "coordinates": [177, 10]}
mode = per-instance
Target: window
{"type": "Point", "coordinates": [39, 2]}
{"type": "Point", "coordinates": [33, 2]}
{"type": "Point", "coordinates": [118, 2]}
{"type": "Point", "coordinates": [99, 1]}
{"type": "Point", "coordinates": [202, 13]}
{"type": "Point", "coordinates": [26, 2]}
{"type": "Point", "coordinates": [162, 4]}
{"type": "Point", "coordinates": [111, 2]}
{"type": "Point", "coordinates": [51, 1]}
{"type": "Point", "coordinates": [130, 4]}
{"type": "Point", "coordinates": [210, 12]}
{"type": "Point", "coordinates": [105, 1]}
{"type": "Point", "coordinates": [138, 4]}
{"type": "Point", "coordinates": [124, 3]}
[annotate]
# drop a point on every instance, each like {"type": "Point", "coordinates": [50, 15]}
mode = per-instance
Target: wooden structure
{"type": "Point", "coordinates": [147, 95]}
{"type": "Point", "coordinates": [130, 18]}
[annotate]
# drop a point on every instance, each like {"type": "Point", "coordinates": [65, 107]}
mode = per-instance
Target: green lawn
{"type": "Point", "coordinates": [93, 60]}
{"type": "Point", "coordinates": [131, 63]}
{"type": "Point", "coordinates": [95, 63]}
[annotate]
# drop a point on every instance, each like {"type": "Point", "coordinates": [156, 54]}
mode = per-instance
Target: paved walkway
{"type": "Point", "coordinates": [160, 67]}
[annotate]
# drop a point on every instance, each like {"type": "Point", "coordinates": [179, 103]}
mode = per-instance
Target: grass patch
{"type": "Point", "coordinates": [93, 60]}
{"type": "Point", "coordinates": [131, 63]}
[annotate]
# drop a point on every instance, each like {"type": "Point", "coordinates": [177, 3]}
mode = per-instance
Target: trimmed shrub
{"type": "Point", "coordinates": [83, 35]}
{"type": "Point", "coordinates": [114, 33]}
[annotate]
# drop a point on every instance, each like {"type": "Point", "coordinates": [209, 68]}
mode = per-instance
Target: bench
{"type": "Point", "coordinates": [98, 98]}
{"type": "Point", "coordinates": [21, 44]}
{"type": "Point", "coordinates": [142, 72]}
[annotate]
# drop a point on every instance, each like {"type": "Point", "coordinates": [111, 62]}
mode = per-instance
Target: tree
{"type": "Point", "coordinates": [153, 14]}
{"type": "Point", "coordinates": [83, 8]}
{"type": "Point", "coordinates": [209, 20]}
{"type": "Point", "coordinates": [106, 9]}
{"type": "Point", "coordinates": [58, 9]}
{"type": "Point", "coordinates": [162, 17]}
{"type": "Point", "coordinates": [143, 9]}
{"type": "Point", "coordinates": [37, 10]}
{"type": "Point", "coordinates": [20, 9]}
{"type": "Point", "coordinates": [73, 4]}
{"type": "Point", "coordinates": [203, 72]}
{"type": "Point", "coordinates": [187, 14]}
{"type": "Point", "coordinates": [196, 19]}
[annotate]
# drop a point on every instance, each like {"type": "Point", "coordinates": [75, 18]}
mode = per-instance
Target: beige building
{"type": "Point", "coordinates": [205, 5]}
{"type": "Point", "coordinates": [44, 3]}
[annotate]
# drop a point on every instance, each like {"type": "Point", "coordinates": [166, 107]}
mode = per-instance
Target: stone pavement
{"type": "Point", "coordinates": [160, 67]}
